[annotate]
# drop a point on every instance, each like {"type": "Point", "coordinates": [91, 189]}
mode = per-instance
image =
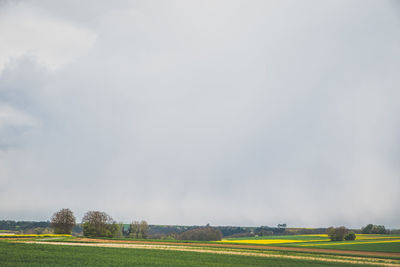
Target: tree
{"type": "Point", "coordinates": [138, 229]}
{"type": "Point", "coordinates": [373, 229]}
{"type": "Point", "coordinates": [331, 233]}
{"type": "Point", "coordinates": [143, 229]}
{"type": "Point", "coordinates": [100, 224]}
{"type": "Point", "coordinates": [134, 229]}
{"type": "Point", "coordinates": [379, 229]}
{"type": "Point", "coordinates": [63, 221]}
{"type": "Point", "coordinates": [337, 234]}
{"type": "Point", "coordinates": [120, 231]}
{"type": "Point", "coordinates": [367, 229]}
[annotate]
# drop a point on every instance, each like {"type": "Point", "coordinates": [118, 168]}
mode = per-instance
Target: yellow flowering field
{"type": "Point", "coordinates": [32, 235]}
{"type": "Point", "coordinates": [314, 240]}
{"type": "Point", "coordinates": [262, 241]}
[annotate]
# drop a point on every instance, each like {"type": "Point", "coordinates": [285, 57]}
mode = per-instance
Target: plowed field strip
{"type": "Point", "coordinates": [355, 260]}
{"type": "Point", "coordinates": [293, 249]}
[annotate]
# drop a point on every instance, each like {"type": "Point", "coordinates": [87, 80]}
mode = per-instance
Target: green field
{"type": "Point", "coordinates": [13, 254]}
{"type": "Point", "coordinates": [379, 243]}
{"type": "Point", "coordinates": [362, 246]}
{"type": "Point", "coordinates": [130, 252]}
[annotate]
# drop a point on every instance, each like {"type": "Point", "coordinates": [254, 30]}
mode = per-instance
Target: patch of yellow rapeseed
{"type": "Point", "coordinates": [34, 235]}
{"type": "Point", "coordinates": [364, 238]}
{"type": "Point", "coordinates": [263, 241]}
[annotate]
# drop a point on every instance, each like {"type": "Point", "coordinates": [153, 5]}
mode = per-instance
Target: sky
{"type": "Point", "coordinates": [192, 112]}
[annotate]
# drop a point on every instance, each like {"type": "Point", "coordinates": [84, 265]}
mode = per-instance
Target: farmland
{"type": "Point", "coordinates": [259, 251]}
{"type": "Point", "coordinates": [272, 250]}
{"type": "Point", "coordinates": [12, 254]}
{"type": "Point", "coordinates": [363, 242]}
{"type": "Point", "coordinates": [11, 235]}
{"type": "Point", "coordinates": [389, 246]}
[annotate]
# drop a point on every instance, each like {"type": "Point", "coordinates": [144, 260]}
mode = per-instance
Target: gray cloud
{"type": "Point", "coordinates": [247, 113]}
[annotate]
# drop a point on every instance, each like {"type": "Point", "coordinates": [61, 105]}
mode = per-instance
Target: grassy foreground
{"type": "Point", "coordinates": [14, 254]}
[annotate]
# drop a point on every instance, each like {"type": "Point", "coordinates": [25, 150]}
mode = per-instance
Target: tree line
{"type": "Point", "coordinates": [100, 224]}
{"type": "Point", "coordinates": [206, 233]}
{"type": "Point", "coordinates": [21, 225]}
{"type": "Point", "coordinates": [374, 229]}
{"type": "Point", "coordinates": [342, 233]}
{"type": "Point", "coordinates": [96, 224]}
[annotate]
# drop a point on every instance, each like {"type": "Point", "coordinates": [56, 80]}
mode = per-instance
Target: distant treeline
{"type": "Point", "coordinates": [237, 231]}
{"type": "Point", "coordinates": [22, 225]}
{"type": "Point", "coordinates": [158, 231]}
{"type": "Point", "coordinates": [31, 227]}
{"type": "Point", "coordinates": [162, 231]}
{"type": "Point", "coordinates": [165, 231]}
{"type": "Point", "coordinates": [374, 229]}
{"type": "Point", "coordinates": [201, 234]}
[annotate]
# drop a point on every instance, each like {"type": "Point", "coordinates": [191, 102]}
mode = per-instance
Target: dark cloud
{"type": "Point", "coordinates": [207, 112]}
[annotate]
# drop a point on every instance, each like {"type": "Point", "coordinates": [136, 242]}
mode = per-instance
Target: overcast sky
{"type": "Point", "coordinates": [192, 112]}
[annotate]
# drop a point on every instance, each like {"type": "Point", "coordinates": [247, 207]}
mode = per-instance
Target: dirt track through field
{"type": "Point", "coordinates": [292, 249]}
{"type": "Point", "coordinates": [180, 247]}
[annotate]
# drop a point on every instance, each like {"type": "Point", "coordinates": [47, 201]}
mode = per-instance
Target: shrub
{"type": "Point", "coordinates": [350, 236]}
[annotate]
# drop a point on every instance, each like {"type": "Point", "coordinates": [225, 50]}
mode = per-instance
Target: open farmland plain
{"type": "Point", "coordinates": [261, 251]}
{"type": "Point", "coordinates": [16, 254]}
{"type": "Point", "coordinates": [363, 242]}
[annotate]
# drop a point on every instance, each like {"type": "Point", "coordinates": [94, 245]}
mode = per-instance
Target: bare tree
{"type": "Point", "coordinates": [63, 221]}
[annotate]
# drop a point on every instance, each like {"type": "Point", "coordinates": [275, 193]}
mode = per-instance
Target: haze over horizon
{"type": "Point", "coordinates": [193, 112]}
